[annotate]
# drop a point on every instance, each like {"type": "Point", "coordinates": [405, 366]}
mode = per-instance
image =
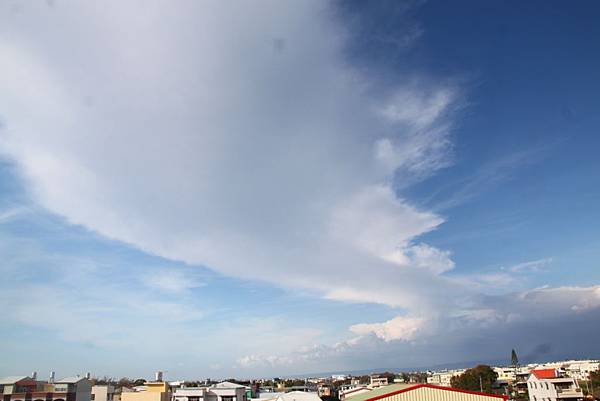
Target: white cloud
{"type": "Point", "coordinates": [172, 280]}
{"type": "Point", "coordinates": [182, 130]}
{"type": "Point", "coordinates": [10, 214]}
{"type": "Point", "coordinates": [399, 328]}
{"type": "Point", "coordinates": [232, 136]}
{"type": "Point", "coordinates": [531, 266]}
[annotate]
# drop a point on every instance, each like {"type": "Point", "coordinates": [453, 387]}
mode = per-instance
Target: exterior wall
{"type": "Point", "coordinates": [425, 393]}
{"type": "Point", "coordinates": [103, 393]}
{"type": "Point", "coordinates": [145, 396]}
{"type": "Point", "coordinates": [379, 381]}
{"type": "Point", "coordinates": [40, 396]}
{"type": "Point", "coordinates": [224, 394]}
{"type": "Point", "coordinates": [581, 370]}
{"type": "Point", "coordinates": [540, 390]}
{"type": "Point", "coordinates": [83, 390]}
{"type": "Point", "coordinates": [547, 390]}
{"type": "Point", "coordinates": [157, 387]}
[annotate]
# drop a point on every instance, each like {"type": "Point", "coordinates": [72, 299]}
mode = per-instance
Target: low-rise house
{"type": "Point", "coordinates": [193, 394]}
{"type": "Point", "coordinates": [228, 391]}
{"type": "Point", "coordinates": [76, 386]}
{"type": "Point", "coordinates": [225, 391]}
{"type": "Point", "coordinates": [17, 384]}
{"type": "Point", "coordinates": [551, 385]}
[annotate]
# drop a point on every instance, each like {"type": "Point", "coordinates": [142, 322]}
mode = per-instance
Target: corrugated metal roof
{"type": "Point", "coordinates": [430, 392]}
{"type": "Point", "coordinates": [380, 391]}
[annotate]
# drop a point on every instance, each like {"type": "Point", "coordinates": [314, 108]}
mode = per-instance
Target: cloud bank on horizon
{"type": "Point", "coordinates": [233, 137]}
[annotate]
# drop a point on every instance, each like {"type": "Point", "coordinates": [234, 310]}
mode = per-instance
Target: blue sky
{"type": "Point", "coordinates": [214, 189]}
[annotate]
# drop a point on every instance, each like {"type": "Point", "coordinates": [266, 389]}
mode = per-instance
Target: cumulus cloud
{"type": "Point", "coordinates": [398, 328]}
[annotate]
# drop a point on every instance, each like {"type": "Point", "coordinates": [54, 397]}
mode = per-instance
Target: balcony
{"type": "Point", "coordinates": [574, 392]}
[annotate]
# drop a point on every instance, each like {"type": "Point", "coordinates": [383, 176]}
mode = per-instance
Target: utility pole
{"type": "Point", "coordinates": [480, 384]}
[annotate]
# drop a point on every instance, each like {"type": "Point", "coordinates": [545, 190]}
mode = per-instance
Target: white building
{"type": "Point", "coordinates": [444, 377]}
{"type": "Point", "coordinates": [548, 385]}
{"type": "Point", "coordinates": [580, 370]}
{"type": "Point", "coordinates": [299, 396]}
{"type": "Point", "coordinates": [225, 391]}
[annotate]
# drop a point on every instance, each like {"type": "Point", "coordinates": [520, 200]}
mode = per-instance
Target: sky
{"type": "Point", "coordinates": [257, 189]}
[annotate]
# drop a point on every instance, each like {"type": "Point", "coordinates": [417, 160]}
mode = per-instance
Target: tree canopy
{"type": "Point", "coordinates": [478, 378]}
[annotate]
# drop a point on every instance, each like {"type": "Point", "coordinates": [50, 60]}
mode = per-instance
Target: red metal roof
{"type": "Point", "coordinates": [504, 397]}
{"type": "Point", "coordinates": [544, 373]}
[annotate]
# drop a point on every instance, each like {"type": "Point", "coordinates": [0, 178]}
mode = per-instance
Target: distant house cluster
{"type": "Point", "coordinates": [556, 381]}
{"type": "Point", "coordinates": [553, 381]}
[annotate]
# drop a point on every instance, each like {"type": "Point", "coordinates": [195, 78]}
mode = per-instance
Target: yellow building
{"type": "Point", "coordinates": [155, 391]}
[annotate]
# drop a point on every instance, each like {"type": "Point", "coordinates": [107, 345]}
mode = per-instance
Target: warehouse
{"type": "Point", "coordinates": [424, 392]}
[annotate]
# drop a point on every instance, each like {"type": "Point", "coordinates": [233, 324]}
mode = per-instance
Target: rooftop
{"type": "Point", "coordinates": [380, 391]}
{"type": "Point", "coordinates": [544, 373]}
{"type": "Point", "coordinates": [70, 380]}
{"type": "Point", "coordinates": [13, 379]}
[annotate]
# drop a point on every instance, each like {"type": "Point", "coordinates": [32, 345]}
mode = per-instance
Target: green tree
{"type": "Point", "coordinates": [514, 358]}
{"type": "Point", "coordinates": [481, 377]}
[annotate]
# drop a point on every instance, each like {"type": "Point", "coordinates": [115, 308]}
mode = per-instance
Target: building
{"type": "Point", "coordinates": [192, 394]}
{"type": "Point", "coordinates": [344, 394]}
{"type": "Point", "coordinates": [580, 370]}
{"type": "Point", "coordinates": [378, 381]}
{"type": "Point", "coordinates": [444, 377]}
{"type": "Point", "coordinates": [225, 391]}
{"type": "Point", "coordinates": [12, 385]}
{"type": "Point", "coordinates": [151, 391]}
{"type": "Point", "coordinates": [228, 391]}
{"type": "Point", "coordinates": [298, 396]}
{"type": "Point", "coordinates": [25, 388]}
{"type": "Point", "coordinates": [324, 390]}
{"type": "Point", "coordinates": [424, 392]}
{"type": "Point", "coordinates": [551, 385]}
{"type": "Point", "coordinates": [78, 387]}
{"type": "Point", "coordinates": [104, 392]}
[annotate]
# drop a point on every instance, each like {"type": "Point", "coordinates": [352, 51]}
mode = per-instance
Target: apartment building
{"type": "Point", "coordinates": [551, 385]}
